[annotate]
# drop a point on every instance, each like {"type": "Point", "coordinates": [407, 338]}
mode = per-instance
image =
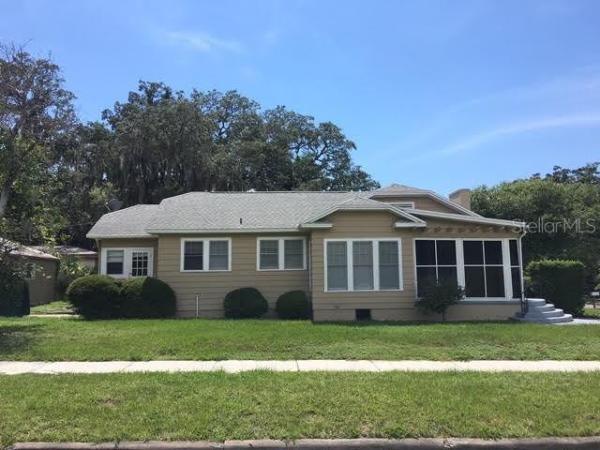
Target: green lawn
{"type": "Point", "coordinates": [591, 313]}
{"type": "Point", "coordinates": [76, 339]}
{"type": "Point", "coordinates": [57, 307]}
{"type": "Point", "coordinates": [217, 406]}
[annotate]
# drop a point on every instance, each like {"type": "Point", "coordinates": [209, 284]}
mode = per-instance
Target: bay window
{"type": "Point", "coordinates": [362, 264]}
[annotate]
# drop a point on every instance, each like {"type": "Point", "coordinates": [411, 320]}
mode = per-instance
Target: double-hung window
{"type": "Point", "coordinates": [436, 261]}
{"type": "Point", "coordinates": [205, 255]}
{"type": "Point", "coordinates": [362, 265]}
{"type": "Point", "coordinates": [288, 253]}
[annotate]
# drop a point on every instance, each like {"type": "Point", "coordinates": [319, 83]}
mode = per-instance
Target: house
{"type": "Point", "coordinates": [83, 256]}
{"type": "Point", "coordinates": [357, 254]}
{"type": "Point", "coordinates": [43, 269]}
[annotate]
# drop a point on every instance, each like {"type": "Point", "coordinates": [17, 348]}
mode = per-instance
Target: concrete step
{"type": "Point", "coordinates": [561, 319]}
{"type": "Point", "coordinates": [542, 314]}
{"type": "Point", "coordinates": [546, 307]}
{"type": "Point", "coordinates": [536, 301]}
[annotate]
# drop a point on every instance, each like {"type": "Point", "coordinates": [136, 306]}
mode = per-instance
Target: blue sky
{"type": "Point", "coordinates": [437, 94]}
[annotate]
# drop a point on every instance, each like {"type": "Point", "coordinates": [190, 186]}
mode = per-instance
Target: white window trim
{"type": "Point", "coordinates": [281, 253]}
{"type": "Point", "coordinates": [350, 265]}
{"type": "Point", "coordinates": [205, 255]}
{"type": "Point", "coordinates": [127, 252]}
{"type": "Point", "coordinates": [460, 272]}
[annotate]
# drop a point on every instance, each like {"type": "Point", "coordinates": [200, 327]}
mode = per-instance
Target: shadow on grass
{"type": "Point", "coordinates": [400, 323]}
{"type": "Point", "coordinates": [15, 339]}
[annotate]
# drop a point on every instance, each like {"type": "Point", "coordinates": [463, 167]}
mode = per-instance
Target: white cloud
{"type": "Point", "coordinates": [202, 41]}
{"type": "Point", "coordinates": [479, 139]}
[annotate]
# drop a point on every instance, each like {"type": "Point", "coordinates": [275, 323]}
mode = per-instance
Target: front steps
{"type": "Point", "coordinates": [539, 311]}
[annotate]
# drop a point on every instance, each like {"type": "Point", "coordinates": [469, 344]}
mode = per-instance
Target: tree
{"type": "Point", "coordinates": [35, 113]}
{"type": "Point", "coordinates": [561, 210]}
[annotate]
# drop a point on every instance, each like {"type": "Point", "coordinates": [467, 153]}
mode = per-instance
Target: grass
{"type": "Point", "coordinates": [57, 307]}
{"type": "Point", "coordinates": [217, 406]}
{"type": "Point", "coordinates": [54, 339]}
{"type": "Point", "coordinates": [591, 313]}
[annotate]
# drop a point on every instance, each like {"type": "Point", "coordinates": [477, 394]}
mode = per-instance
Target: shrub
{"type": "Point", "coordinates": [14, 298]}
{"type": "Point", "coordinates": [293, 305]}
{"type": "Point", "coordinates": [245, 303]}
{"type": "Point", "coordinates": [69, 269]}
{"type": "Point", "coordinates": [95, 297]}
{"type": "Point", "coordinates": [561, 282]}
{"type": "Point", "coordinates": [438, 297]}
{"type": "Point", "coordinates": [147, 297]}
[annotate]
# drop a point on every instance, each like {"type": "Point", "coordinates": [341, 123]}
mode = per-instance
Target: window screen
{"type": "Point", "coordinates": [362, 257]}
{"type": "Point", "coordinates": [219, 255]}
{"type": "Point", "coordinates": [293, 253]}
{"type": "Point", "coordinates": [389, 273]}
{"type": "Point", "coordinates": [114, 262]}
{"type": "Point", "coordinates": [193, 257]}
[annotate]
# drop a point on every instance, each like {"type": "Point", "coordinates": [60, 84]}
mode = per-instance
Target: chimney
{"type": "Point", "coordinates": [462, 197]}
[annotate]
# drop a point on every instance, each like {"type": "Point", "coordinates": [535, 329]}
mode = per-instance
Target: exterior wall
{"type": "Point", "coordinates": [42, 285]}
{"type": "Point", "coordinates": [394, 305]}
{"type": "Point", "coordinates": [211, 287]}
{"type": "Point", "coordinates": [426, 203]}
{"type": "Point", "coordinates": [124, 243]}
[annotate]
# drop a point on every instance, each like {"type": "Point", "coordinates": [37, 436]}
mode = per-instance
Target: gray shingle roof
{"type": "Point", "coordinates": [242, 210]}
{"type": "Point", "coordinates": [128, 222]}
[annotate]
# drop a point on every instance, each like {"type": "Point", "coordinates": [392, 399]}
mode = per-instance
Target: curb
{"type": "Point", "coordinates": [579, 443]}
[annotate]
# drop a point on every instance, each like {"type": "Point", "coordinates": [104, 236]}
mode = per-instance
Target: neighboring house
{"type": "Point", "coordinates": [43, 271]}
{"type": "Point", "coordinates": [358, 255]}
{"type": "Point", "coordinates": [83, 256]}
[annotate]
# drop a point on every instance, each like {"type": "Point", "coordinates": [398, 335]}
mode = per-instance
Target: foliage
{"type": "Point", "coordinates": [439, 296]}
{"type": "Point", "coordinates": [561, 209]}
{"type": "Point", "coordinates": [14, 271]}
{"type": "Point", "coordinates": [147, 297]}
{"type": "Point", "coordinates": [293, 305]}
{"type": "Point", "coordinates": [69, 269]}
{"type": "Point", "coordinates": [57, 175]}
{"type": "Point", "coordinates": [95, 297]}
{"type": "Point", "coordinates": [561, 282]}
{"type": "Point", "coordinates": [245, 303]}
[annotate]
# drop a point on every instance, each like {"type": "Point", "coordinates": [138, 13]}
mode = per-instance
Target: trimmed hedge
{"type": "Point", "coordinates": [95, 297]}
{"type": "Point", "coordinates": [561, 282]}
{"type": "Point", "coordinates": [293, 305]}
{"type": "Point", "coordinates": [245, 303]}
{"type": "Point", "coordinates": [147, 297]}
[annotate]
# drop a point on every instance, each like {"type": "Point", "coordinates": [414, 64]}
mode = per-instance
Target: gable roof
{"type": "Point", "coordinates": [401, 190]}
{"type": "Point", "coordinates": [239, 212]}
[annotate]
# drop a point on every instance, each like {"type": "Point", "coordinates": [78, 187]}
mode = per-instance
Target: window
{"type": "Point", "coordinates": [115, 262]}
{"type": "Point", "coordinates": [484, 269]}
{"type": "Point", "coordinates": [515, 267]}
{"type": "Point", "coordinates": [139, 264]}
{"type": "Point", "coordinates": [362, 259]}
{"type": "Point", "coordinates": [205, 255]}
{"type": "Point", "coordinates": [404, 205]}
{"type": "Point", "coordinates": [281, 254]}
{"type": "Point", "coordinates": [337, 266]}
{"type": "Point", "coordinates": [126, 262]}
{"type": "Point", "coordinates": [269, 254]}
{"type": "Point", "coordinates": [436, 261]}
{"type": "Point", "coordinates": [362, 265]}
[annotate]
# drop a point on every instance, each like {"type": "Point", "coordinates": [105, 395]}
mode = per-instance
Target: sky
{"type": "Point", "coordinates": [435, 94]}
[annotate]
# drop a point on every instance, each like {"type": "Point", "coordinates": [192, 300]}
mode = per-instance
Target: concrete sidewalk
{"type": "Point", "coordinates": [323, 365]}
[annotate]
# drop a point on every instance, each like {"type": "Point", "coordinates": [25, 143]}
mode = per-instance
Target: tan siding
{"type": "Point", "coordinates": [42, 285]}
{"type": "Point", "coordinates": [125, 243]}
{"type": "Point", "coordinates": [211, 287]}
{"type": "Point", "coordinates": [398, 305]}
{"type": "Point", "coordinates": [426, 203]}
